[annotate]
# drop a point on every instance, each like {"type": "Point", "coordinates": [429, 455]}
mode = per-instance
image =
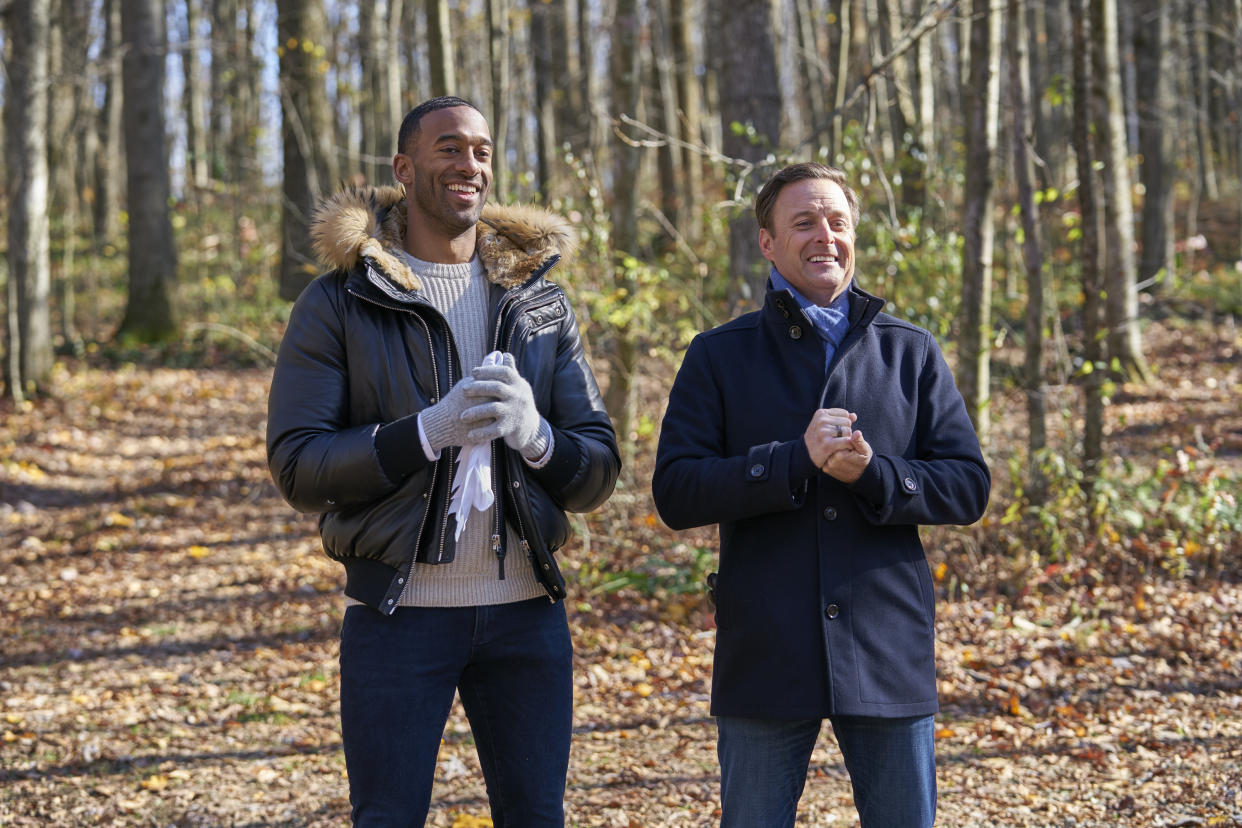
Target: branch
{"type": "Point", "coordinates": [933, 16]}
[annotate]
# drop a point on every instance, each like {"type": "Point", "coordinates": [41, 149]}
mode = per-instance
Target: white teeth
{"type": "Point", "coordinates": [461, 188]}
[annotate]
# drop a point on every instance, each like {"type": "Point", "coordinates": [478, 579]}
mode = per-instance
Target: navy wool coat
{"type": "Point", "coordinates": [824, 600]}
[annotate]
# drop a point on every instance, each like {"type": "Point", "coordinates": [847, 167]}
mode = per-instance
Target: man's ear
{"type": "Point", "coordinates": [765, 243]}
{"type": "Point", "coordinates": [403, 168]}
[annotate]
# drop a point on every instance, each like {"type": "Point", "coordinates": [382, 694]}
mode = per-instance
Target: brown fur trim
{"type": "Point", "coordinates": [513, 241]}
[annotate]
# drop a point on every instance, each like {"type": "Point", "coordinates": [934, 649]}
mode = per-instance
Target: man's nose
{"type": "Point", "coordinates": [468, 163]}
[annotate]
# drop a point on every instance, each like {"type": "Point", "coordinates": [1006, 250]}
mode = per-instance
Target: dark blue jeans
{"type": "Point", "coordinates": [763, 767]}
{"type": "Point", "coordinates": [512, 665]}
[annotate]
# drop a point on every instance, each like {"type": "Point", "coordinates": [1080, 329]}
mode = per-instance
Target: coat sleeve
{"type": "Point", "coordinates": [945, 479]}
{"type": "Point", "coordinates": [318, 460]}
{"type": "Point", "coordinates": [585, 461]}
{"type": "Point", "coordinates": [696, 482]}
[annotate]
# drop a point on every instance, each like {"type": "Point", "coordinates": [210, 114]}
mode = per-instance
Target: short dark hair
{"type": "Point", "coordinates": [409, 125]}
{"type": "Point", "coordinates": [766, 200]}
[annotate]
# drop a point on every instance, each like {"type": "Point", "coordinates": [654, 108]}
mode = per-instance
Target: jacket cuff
{"type": "Point", "coordinates": [870, 484]}
{"type": "Point", "coordinates": [539, 452]}
{"type": "Point", "coordinates": [801, 466]}
{"type": "Point", "coordinates": [399, 448]}
{"type": "Point", "coordinates": [437, 424]}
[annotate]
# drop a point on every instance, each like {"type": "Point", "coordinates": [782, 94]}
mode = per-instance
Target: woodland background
{"type": "Point", "coordinates": [1053, 187]}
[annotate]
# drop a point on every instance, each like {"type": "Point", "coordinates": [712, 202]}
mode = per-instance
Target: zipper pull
{"type": "Point", "coordinates": [500, 555]}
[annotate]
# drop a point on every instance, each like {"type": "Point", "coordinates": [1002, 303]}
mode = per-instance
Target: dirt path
{"type": "Point", "coordinates": [169, 657]}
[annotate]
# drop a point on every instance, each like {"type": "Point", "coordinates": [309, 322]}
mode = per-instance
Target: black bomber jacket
{"type": "Point", "coordinates": [364, 349]}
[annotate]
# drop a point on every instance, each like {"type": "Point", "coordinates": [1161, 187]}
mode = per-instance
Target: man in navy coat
{"type": "Point", "coordinates": [820, 433]}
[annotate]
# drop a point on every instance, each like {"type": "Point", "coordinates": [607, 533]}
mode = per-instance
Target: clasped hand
{"type": "Point", "coordinates": [835, 447]}
{"type": "Point", "coordinates": [501, 405]}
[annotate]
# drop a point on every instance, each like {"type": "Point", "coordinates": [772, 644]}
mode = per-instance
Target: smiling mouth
{"type": "Point", "coordinates": [468, 189]}
{"type": "Point", "coordinates": [823, 259]}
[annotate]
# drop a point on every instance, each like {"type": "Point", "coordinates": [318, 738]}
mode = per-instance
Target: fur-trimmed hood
{"type": "Point", "coordinates": [513, 241]}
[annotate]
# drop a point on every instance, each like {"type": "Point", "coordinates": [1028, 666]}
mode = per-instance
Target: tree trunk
{"type": "Point", "coordinates": [1196, 38]}
{"type": "Point", "coordinates": [152, 256]}
{"type": "Point", "coordinates": [1032, 251]}
{"type": "Point", "coordinates": [546, 82]}
{"type": "Point", "coordinates": [1151, 44]}
{"type": "Point", "coordinates": [981, 103]}
{"type": "Point", "coordinates": [625, 74]}
{"type": "Point", "coordinates": [1094, 366]}
{"type": "Point", "coordinates": [498, 57]}
{"type": "Point", "coordinates": [690, 117]}
{"type": "Point", "coordinates": [305, 123]}
{"type": "Point", "coordinates": [375, 119]}
{"type": "Point", "coordinates": [439, 49]}
{"type": "Point", "coordinates": [664, 119]}
{"type": "Point", "coordinates": [67, 102]}
{"type": "Point", "coordinates": [110, 161]}
{"type": "Point", "coordinates": [29, 334]}
{"type": "Point", "coordinates": [1121, 307]}
{"type": "Point", "coordinates": [750, 113]}
{"type": "Point", "coordinates": [195, 112]}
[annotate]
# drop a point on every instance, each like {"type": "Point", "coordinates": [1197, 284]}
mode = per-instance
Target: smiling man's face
{"type": "Point", "coordinates": [450, 170]}
{"type": "Point", "coordinates": [811, 242]}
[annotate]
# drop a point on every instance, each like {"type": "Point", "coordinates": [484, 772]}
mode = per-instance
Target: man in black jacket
{"type": "Point", "coordinates": [432, 403]}
{"type": "Point", "coordinates": [819, 433]}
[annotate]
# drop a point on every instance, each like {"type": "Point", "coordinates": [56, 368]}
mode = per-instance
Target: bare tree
{"type": "Point", "coordinates": [110, 159]}
{"type": "Point", "coordinates": [1151, 44]}
{"type": "Point", "coordinates": [689, 116]}
{"type": "Point", "coordinates": [374, 115]}
{"type": "Point", "coordinates": [548, 76]}
{"type": "Point", "coordinates": [498, 54]}
{"type": "Point", "coordinates": [195, 109]}
{"type": "Point", "coordinates": [981, 102]}
{"type": "Point", "coordinates": [1121, 306]}
{"type": "Point", "coordinates": [750, 111]}
{"type": "Point", "coordinates": [439, 51]}
{"type": "Point", "coordinates": [625, 74]}
{"type": "Point", "coordinates": [309, 164]}
{"type": "Point", "coordinates": [1092, 250]}
{"type": "Point", "coordinates": [1033, 255]}
{"type": "Point", "coordinates": [29, 329]}
{"type": "Point", "coordinates": [152, 256]}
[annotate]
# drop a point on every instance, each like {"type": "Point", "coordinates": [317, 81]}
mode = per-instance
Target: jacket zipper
{"type": "Point", "coordinates": [435, 467]}
{"type": "Point", "coordinates": [498, 516]}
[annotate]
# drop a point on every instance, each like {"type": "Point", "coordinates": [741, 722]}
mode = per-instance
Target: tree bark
{"type": "Point", "coordinates": [375, 118]}
{"type": "Point", "coordinates": [1151, 44]}
{"type": "Point", "coordinates": [1094, 366]}
{"type": "Point", "coordinates": [663, 111]}
{"type": "Point", "coordinates": [546, 81]}
{"type": "Point", "coordinates": [152, 256]}
{"type": "Point", "coordinates": [750, 113]}
{"type": "Point", "coordinates": [690, 117]}
{"type": "Point", "coordinates": [498, 57]}
{"type": "Point", "coordinates": [195, 111]}
{"type": "Point", "coordinates": [1032, 250]}
{"type": "Point", "coordinates": [439, 51]}
{"type": "Point", "coordinates": [981, 104]}
{"type": "Point", "coordinates": [625, 74]}
{"type": "Point", "coordinates": [305, 124]}
{"type": "Point", "coordinates": [1121, 306]}
{"type": "Point", "coordinates": [110, 160]}
{"type": "Point", "coordinates": [29, 332]}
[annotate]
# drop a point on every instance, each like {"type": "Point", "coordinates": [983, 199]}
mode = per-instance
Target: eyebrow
{"type": "Point", "coordinates": [457, 136]}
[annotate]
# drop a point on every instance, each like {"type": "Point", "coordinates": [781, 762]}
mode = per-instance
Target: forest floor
{"type": "Point", "coordinates": [169, 638]}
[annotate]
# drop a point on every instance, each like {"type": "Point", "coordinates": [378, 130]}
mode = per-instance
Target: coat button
{"type": "Point", "coordinates": [910, 485]}
{"type": "Point", "coordinates": [756, 470]}
{"type": "Point", "coordinates": [832, 611]}
{"type": "Point", "coordinates": [795, 332]}
{"type": "Point", "coordinates": [830, 513]}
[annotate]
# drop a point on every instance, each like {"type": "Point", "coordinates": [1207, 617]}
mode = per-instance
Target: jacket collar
{"type": "Point", "coordinates": [782, 306]}
{"type": "Point", "coordinates": [368, 222]}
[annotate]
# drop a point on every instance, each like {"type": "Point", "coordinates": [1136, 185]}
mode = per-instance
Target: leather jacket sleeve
{"type": "Point", "coordinates": [319, 459]}
{"type": "Point", "coordinates": [585, 460]}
